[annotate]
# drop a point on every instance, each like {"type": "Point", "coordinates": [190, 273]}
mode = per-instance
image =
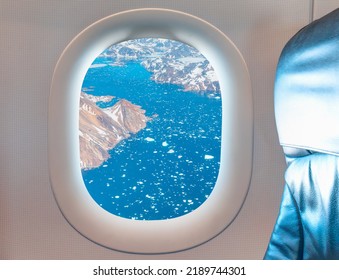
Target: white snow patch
{"type": "Point", "coordinates": [191, 59]}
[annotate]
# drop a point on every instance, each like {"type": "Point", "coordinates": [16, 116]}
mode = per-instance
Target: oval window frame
{"type": "Point", "coordinates": [230, 190]}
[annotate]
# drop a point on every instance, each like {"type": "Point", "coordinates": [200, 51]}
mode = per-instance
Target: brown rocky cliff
{"type": "Point", "coordinates": [100, 130]}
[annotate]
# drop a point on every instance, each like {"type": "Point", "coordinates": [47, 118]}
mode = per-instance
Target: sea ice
{"type": "Point", "coordinates": [209, 157]}
{"type": "Point", "coordinates": [164, 144]}
{"type": "Point", "coordinates": [149, 139]}
{"type": "Point", "coordinates": [98, 65]}
{"type": "Point", "coordinates": [171, 151]}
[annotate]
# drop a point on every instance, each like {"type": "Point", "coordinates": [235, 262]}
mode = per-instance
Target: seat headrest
{"type": "Point", "coordinates": [307, 88]}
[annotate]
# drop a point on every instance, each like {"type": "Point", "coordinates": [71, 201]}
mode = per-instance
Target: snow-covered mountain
{"type": "Point", "coordinates": [144, 48]}
{"type": "Point", "coordinates": [100, 130]}
{"type": "Point", "coordinates": [194, 74]}
{"type": "Point", "coordinates": [169, 62]}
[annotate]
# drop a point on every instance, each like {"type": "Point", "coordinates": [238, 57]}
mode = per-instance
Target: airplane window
{"type": "Point", "coordinates": [150, 129]}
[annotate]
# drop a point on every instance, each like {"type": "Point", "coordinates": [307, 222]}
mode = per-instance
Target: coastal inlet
{"type": "Point", "coordinates": [150, 129]}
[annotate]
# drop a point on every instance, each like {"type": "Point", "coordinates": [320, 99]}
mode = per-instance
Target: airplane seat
{"type": "Point", "coordinates": [307, 117]}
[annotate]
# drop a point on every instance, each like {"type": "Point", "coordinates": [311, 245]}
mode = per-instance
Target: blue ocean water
{"type": "Point", "coordinates": [167, 169]}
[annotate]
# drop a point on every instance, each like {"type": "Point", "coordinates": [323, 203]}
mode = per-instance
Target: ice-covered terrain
{"type": "Point", "coordinates": [150, 129]}
{"type": "Point", "coordinates": [169, 62]}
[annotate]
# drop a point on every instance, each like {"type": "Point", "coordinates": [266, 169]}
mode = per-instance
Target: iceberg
{"type": "Point", "coordinates": [164, 144]}
{"type": "Point", "coordinates": [149, 139]}
{"type": "Point", "coordinates": [209, 157]}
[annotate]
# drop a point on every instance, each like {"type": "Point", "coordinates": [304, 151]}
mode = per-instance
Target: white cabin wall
{"type": "Point", "coordinates": [322, 7]}
{"type": "Point", "coordinates": [32, 36]}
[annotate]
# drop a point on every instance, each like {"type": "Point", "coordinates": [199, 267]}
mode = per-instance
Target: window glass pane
{"type": "Point", "coordinates": [150, 129]}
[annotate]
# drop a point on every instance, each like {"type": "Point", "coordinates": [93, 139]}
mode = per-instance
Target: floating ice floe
{"type": "Point", "coordinates": [149, 139]}
{"type": "Point", "coordinates": [209, 157]}
{"type": "Point", "coordinates": [98, 65]}
{"type": "Point", "coordinates": [164, 144]}
{"type": "Point", "coordinates": [149, 196]}
{"type": "Point", "coordinates": [171, 151]}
